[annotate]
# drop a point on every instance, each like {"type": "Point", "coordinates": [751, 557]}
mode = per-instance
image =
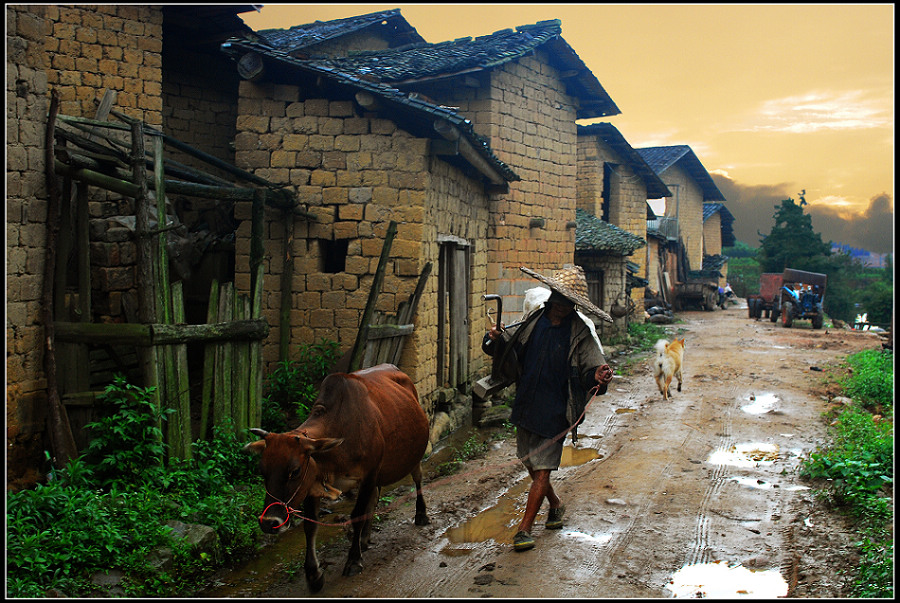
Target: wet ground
{"type": "Point", "coordinates": [694, 497]}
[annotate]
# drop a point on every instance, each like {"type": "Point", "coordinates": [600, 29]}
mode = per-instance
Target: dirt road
{"type": "Point", "coordinates": [697, 495]}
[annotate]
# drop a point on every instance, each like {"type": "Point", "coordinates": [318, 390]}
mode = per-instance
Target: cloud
{"type": "Point", "coordinates": [871, 229]}
{"type": "Point", "coordinates": [754, 206]}
{"type": "Point", "coordinates": [817, 111]}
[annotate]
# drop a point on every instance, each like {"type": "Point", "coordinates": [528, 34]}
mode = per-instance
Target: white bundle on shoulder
{"type": "Point", "coordinates": [538, 296]}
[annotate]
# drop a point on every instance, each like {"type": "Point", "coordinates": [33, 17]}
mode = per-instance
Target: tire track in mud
{"type": "Point", "coordinates": [700, 548]}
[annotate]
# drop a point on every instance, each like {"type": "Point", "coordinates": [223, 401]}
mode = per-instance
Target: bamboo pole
{"type": "Point", "coordinates": [182, 382]}
{"type": "Point", "coordinates": [168, 383]}
{"type": "Point", "coordinates": [241, 369]}
{"type": "Point", "coordinates": [209, 358]}
{"type": "Point", "coordinates": [145, 283]}
{"type": "Point", "coordinates": [256, 375]}
{"type": "Point", "coordinates": [222, 389]}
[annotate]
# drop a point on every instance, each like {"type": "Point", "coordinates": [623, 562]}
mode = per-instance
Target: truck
{"type": "Point", "coordinates": [802, 297]}
{"type": "Point", "coordinates": [765, 303]}
{"type": "Point", "coordinates": [701, 288]}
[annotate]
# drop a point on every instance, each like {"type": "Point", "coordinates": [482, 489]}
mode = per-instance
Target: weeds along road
{"type": "Point", "coordinates": [655, 491]}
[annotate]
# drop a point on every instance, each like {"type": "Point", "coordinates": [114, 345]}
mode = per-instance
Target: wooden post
{"type": "Point", "coordinates": [61, 440]}
{"type": "Point", "coordinates": [256, 385]}
{"type": "Point", "coordinates": [144, 276]}
{"type": "Point", "coordinates": [360, 345]}
{"type": "Point", "coordinates": [182, 386]}
{"type": "Point", "coordinates": [222, 384]}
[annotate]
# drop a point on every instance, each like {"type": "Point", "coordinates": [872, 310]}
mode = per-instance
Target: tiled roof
{"type": "Point", "coordinates": [710, 209]}
{"type": "Point", "coordinates": [593, 234]}
{"type": "Point", "coordinates": [411, 103]}
{"type": "Point", "coordinates": [425, 62]}
{"type": "Point", "coordinates": [611, 136]}
{"type": "Point", "coordinates": [662, 158]}
{"type": "Point", "coordinates": [304, 37]}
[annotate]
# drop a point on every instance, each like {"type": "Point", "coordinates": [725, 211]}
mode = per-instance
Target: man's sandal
{"type": "Point", "coordinates": [555, 518]}
{"type": "Point", "coordinates": [523, 541]}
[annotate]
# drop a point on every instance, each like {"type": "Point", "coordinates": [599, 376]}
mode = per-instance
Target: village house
{"type": "Point", "coordinates": [468, 148]}
{"type": "Point", "coordinates": [676, 239]}
{"type": "Point", "coordinates": [614, 183]}
{"type": "Point", "coordinates": [470, 145]}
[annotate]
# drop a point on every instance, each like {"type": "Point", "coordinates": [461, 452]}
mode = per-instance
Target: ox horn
{"type": "Point", "coordinates": [260, 432]}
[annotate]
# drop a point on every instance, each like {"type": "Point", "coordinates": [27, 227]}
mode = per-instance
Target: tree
{"type": "Point", "coordinates": [792, 243]}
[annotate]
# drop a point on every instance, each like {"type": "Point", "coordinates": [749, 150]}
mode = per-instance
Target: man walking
{"type": "Point", "coordinates": [556, 361]}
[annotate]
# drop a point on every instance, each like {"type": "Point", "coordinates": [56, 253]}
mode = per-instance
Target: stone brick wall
{"type": "Point", "coordinates": [26, 235]}
{"type": "Point", "coordinates": [79, 51]}
{"type": "Point", "coordinates": [627, 196]}
{"type": "Point", "coordinates": [523, 109]}
{"type": "Point", "coordinates": [712, 235]}
{"type": "Point", "coordinates": [199, 100]}
{"type": "Point", "coordinates": [356, 173]}
{"type": "Point", "coordinates": [91, 48]}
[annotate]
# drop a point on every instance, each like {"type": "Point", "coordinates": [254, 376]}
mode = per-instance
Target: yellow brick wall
{"type": "Point", "coordinates": [78, 51]}
{"type": "Point", "coordinates": [524, 111]}
{"type": "Point", "coordinates": [92, 48]}
{"type": "Point", "coordinates": [356, 174]}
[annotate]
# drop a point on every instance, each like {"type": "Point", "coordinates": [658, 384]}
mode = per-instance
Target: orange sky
{"type": "Point", "coordinates": [773, 99]}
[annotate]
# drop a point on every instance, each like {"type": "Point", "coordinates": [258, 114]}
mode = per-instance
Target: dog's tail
{"type": "Point", "coordinates": [660, 347]}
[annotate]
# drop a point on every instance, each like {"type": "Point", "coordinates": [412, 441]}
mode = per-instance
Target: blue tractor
{"type": "Point", "coordinates": [802, 297]}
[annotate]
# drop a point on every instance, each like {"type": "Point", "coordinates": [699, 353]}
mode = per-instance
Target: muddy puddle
{"type": "Point", "coordinates": [495, 523]}
{"type": "Point", "coordinates": [719, 580]}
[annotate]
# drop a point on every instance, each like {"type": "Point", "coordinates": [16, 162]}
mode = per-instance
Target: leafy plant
{"type": "Point", "coordinates": [294, 384]}
{"type": "Point", "coordinates": [871, 378]}
{"type": "Point", "coordinates": [95, 515]}
{"type": "Point", "coordinates": [128, 444]}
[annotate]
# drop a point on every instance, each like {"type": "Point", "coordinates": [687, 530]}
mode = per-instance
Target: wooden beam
{"type": "Point", "coordinates": [160, 334]}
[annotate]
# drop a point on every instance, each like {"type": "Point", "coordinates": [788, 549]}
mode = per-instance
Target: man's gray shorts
{"type": "Point", "coordinates": [537, 452]}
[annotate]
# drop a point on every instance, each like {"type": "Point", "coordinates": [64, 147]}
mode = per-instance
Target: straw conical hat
{"type": "Point", "coordinates": [571, 283]}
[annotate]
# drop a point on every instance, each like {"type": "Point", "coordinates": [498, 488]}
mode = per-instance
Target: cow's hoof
{"type": "Point", "coordinates": [422, 520]}
{"type": "Point", "coordinates": [352, 568]}
{"type": "Point", "coordinates": [316, 582]}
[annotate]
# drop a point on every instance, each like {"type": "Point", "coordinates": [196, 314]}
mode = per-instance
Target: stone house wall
{"type": "Point", "coordinates": [611, 269]}
{"type": "Point", "coordinates": [687, 201]}
{"type": "Point", "coordinates": [355, 173]}
{"type": "Point", "coordinates": [523, 110]}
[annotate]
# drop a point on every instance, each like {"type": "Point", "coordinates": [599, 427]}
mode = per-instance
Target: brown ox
{"type": "Point", "coordinates": [365, 430]}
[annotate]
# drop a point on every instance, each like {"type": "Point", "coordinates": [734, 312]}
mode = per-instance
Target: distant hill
{"type": "Point", "coordinates": [866, 258]}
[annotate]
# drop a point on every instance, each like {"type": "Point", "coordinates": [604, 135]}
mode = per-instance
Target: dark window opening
{"type": "Point", "coordinates": [607, 185]}
{"type": "Point", "coordinates": [333, 255]}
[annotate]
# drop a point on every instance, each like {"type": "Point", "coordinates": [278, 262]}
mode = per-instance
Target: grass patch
{"type": "Point", "coordinates": [857, 466]}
